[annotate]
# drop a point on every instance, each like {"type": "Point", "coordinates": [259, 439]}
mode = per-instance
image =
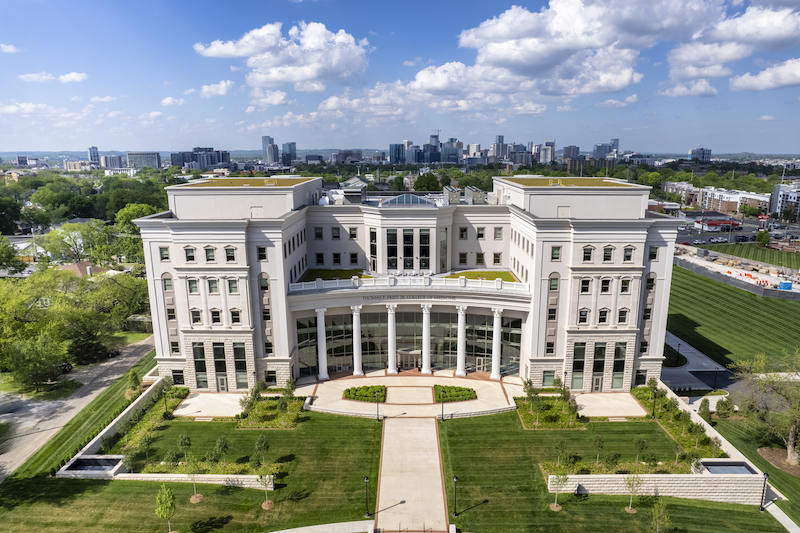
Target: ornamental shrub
{"type": "Point", "coordinates": [366, 394]}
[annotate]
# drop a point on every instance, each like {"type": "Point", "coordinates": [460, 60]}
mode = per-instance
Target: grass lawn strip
{"type": "Point", "coordinates": [327, 274]}
{"type": "Point", "coordinates": [489, 275]}
{"type": "Point", "coordinates": [721, 321]}
{"type": "Point", "coordinates": [453, 394]}
{"type": "Point", "coordinates": [367, 393]}
{"type": "Point", "coordinates": [501, 488]}
{"type": "Point", "coordinates": [56, 390]}
{"type": "Point", "coordinates": [755, 252]}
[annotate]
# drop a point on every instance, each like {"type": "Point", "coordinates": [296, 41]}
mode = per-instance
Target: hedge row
{"type": "Point", "coordinates": [366, 394]}
{"type": "Point", "coordinates": [453, 394]}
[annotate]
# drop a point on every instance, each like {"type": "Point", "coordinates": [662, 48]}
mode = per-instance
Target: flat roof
{"type": "Point", "coordinates": [247, 182]}
{"type": "Point", "coordinates": [545, 181]}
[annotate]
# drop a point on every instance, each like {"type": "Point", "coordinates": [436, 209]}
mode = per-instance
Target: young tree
{"type": "Point", "coordinates": [145, 442]}
{"type": "Point", "coordinates": [262, 445]}
{"type": "Point", "coordinates": [677, 449]}
{"type": "Point", "coordinates": [658, 516]}
{"type": "Point", "coordinates": [221, 447]}
{"type": "Point", "coordinates": [193, 470]}
{"type": "Point", "coordinates": [652, 384]}
{"type": "Point", "coordinates": [698, 431]}
{"type": "Point", "coordinates": [672, 406]}
{"type": "Point", "coordinates": [704, 410]}
{"type": "Point", "coordinates": [724, 407]}
{"type": "Point", "coordinates": [266, 478]}
{"type": "Point", "coordinates": [184, 443]}
{"type": "Point", "coordinates": [531, 393]}
{"type": "Point", "coordinates": [133, 380]}
{"type": "Point", "coordinates": [564, 396]}
{"type": "Point", "coordinates": [559, 482]}
{"type": "Point", "coordinates": [640, 444]}
{"type": "Point", "coordinates": [171, 457]}
{"type": "Point", "coordinates": [165, 505]}
{"type": "Point", "coordinates": [128, 460]}
{"type": "Point", "coordinates": [714, 444]}
{"type": "Point", "coordinates": [599, 443]}
{"type": "Point", "coordinates": [763, 237]}
{"type": "Point", "coordinates": [633, 482]}
{"type": "Point", "coordinates": [561, 448]}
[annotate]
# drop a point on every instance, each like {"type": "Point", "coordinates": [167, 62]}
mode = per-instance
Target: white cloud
{"type": "Point", "coordinates": [112, 114]}
{"type": "Point", "coordinates": [529, 108]}
{"type": "Point", "coordinates": [39, 77]}
{"type": "Point", "coordinates": [216, 89]}
{"type": "Point", "coordinates": [310, 57]}
{"type": "Point", "coordinates": [250, 109]}
{"type": "Point", "coordinates": [189, 91]}
{"type": "Point", "coordinates": [632, 99]}
{"type": "Point", "coordinates": [28, 108]}
{"type": "Point", "coordinates": [9, 49]}
{"type": "Point", "coordinates": [264, 98]}
{"type": "Point", "coordinates": [235, 68]}
{"type": "Point", "coordinates": [786, 74]}
{"type": "Point", "coordinates": [412, 63]}
{"type": "Point", "coordinates": [693, 88]}
{"type": "Point", "coordinates": [172, 101]}
{"type": "Point", "coordinates": [151, 115]}
{"type": "Point", "coordinates": [76, 98]}
{"type": "Point", "coordinates": [221, 107]}
{"type": "Point", "coordinates": [766, 118]}
{"type": "Point", "coordinates": [73, 76]}
{"type": "Point", "coordinates": [705, 60]}
{"type": "Point", "coordinates": [102, 98]}
{"type": "Point", "coordinates": [566, 108]}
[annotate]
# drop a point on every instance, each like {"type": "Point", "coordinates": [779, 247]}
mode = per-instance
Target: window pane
{"type": "Point", "coordinates": [209, 254]}
{"type": "Point", "coordinates": [587, 254]}
{"type": "Point", "coordinates": [230, 254]}
{"type": "Point", "coordinates": [212, 286]}
{"type": "Point", "coordinates": [189, 254]}
{"type": "Point", "coordinates": [555, 252]}
{"type": "Point", "coordinates": [628, 254]}
{"type": "Point", "coordinates": [262, 253]}
{"type": "Point", "coordinates": [547, 378]}
{"type": "Point", "coordinates": [164, 253]}
{"type": "Point", "coordinates": [167, 284]}
{"type": "Point", "coordinates": [233, 286]}
{"type": "Point", "coordinates": [553, 284]}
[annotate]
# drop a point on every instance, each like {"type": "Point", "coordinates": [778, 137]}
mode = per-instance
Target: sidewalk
{"type": "Point", "coordinates": [681, 377]}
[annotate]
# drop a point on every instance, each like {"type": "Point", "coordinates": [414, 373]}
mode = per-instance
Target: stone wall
{"type": "Point", "coordinates": [243, 481]}
{"type": "Point", "coordinates": [746, 489]}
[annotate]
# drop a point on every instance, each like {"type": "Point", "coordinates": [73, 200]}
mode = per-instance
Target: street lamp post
{"type": "Point", "coordinates": [441, 395]}
{"type": "Point", "coordinates": [164, 392]}
{"type": "Point", "coordinates": [764, 494]}
{"type": "Point", "coordinates": [366, 494]}
{"type": "Point", "coordinates": [716, 370]}
{"type": "Point", "coordinates": [565, 379]}
{"type": "Point", "coordinates": [377, 407]}
{"type": "Point", "coordinates": [655, 394]}
{"type": "Point", "coordinates": [455, 496]}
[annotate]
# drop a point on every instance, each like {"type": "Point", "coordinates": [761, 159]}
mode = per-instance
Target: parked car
{"type": "Point", "coordinates": [65, 367]}
{"type": "Point", "coordinates": [742, 238]}
{"type": "Point", "coordinates": [113, 352]}
{"type": "Point", "coordinates": [698, 241]}
{"type": "Point", "coordinates": [686, 243]}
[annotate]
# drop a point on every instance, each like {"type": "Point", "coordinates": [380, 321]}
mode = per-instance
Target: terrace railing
{"type": "Point", "coordinates": [424, 281]}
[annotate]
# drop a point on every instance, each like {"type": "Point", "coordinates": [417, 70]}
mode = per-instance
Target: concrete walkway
{"type": "Point", "coordinates": [339, 527]}
{"type": "Point", "coordinates": [411, 488]}
{"type": "Point", "coordinates": [782, 517]}
{"type": "Point", "coordinates": [33, 422]}
{"type": "Point", "coordinates": [682, 377]}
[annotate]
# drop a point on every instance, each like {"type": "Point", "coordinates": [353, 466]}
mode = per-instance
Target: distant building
{"type": "Point", "coordinates": [785, 196]}
{"type": "Point", "coordinates": [270, 154]}
{"type": "Point", "coordinates": [701, 154]}
{"type": "Point", "coordinates": [397, 154]}
{"type": "Point", "coordinates": [346, 157]}
{"type": "Point", "coordinates": [130, 172]}
{"type": "Point", "coordinates": [22, 161]}
{"type": "Point", "coordinates": [601, 150]}
{"type": "Point", "coordinates": [407, 144]}
{"type": "Point", "coordinates": [204, 157]}
{"type": "Point", "coordinates": [111, 161]}
{"type": "Point", "coordinates": [641, 159]}
{"type": "Point", "coordinates": [290, 148]}
{"type": "Point", "coordinates": [79, 166]}
{"type": "Point", "coordinates": [94, 155]}
{"type": "Point", "coordinates": [140, 160]}
{"type": "Point", "coordinates": [571, 152]}
{"type": "Point", "coordinates": [313, 159]}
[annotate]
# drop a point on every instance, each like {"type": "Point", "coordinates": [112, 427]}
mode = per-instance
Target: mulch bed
{"type": "Point", "coordinates": [777, 458]}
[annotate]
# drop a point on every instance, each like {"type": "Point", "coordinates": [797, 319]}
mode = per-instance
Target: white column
{"type": "Point", "coordinates": [205, 313]}
{"type": "Point", "coordinates": [222, 287]}
{"type": "Point", "coordinates": [594, 313]}
{"type": "Point", "coordinates": [426, 338]}
{"type": "Point", "coordinates": [496, 336]}
{"type": "Point", "coordinates": [392, 365]}
{"type": "Point", "coordinates": [357, 367]}
{"type": "Point", "coordinates": [461, 354]}
{"type": "Point", "coordinates": [322, 348]}
{"type": "Point", "coordinates": [615, 287]}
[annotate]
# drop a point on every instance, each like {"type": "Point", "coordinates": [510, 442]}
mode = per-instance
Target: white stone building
{"type": "Point", "coordinates": [225, 263]}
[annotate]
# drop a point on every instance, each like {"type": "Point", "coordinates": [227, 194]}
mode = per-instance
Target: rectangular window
{"type": "Point", "coordinates": [608, 254]}
{"type": "Point", "coordinates": [479, 259]}
{"type": "Point", "coordinates": [623, 316]}
{"type": "Point", "coordinates": [335, 234]}
{"type": "Point", "coordinates": [320, 259]}
{"type": "Point", "coordinates": [551, 314]}
{"type": "Point", "coordinates": [603, 317]}
{"type": "Point", "coordinates": [647, 313]}
{"type": "Point", "coordinates": [553, 284]}
{"type": "Point", "coordinates": [618, 376]}
{"type": "Point", "coordinates": [167, 284]}
{"type": "Point", "coordinates": [271, 378]}
{"type": "Point", "coordinates": [198, 353]}
{"type": "Point", "coordinates": [236, 317]}
{"type": "Point", "coordinates": [233, 286]}
{"type": "Point", "coordinates": [354, 259]}
{"type": "Point", "coordinates": [496, 259]}
{"type": "Point", "coordinates": [625, 286]}
{"type": "Point", "coordinates": [353, 234]}
{"type": "Point", "coordinates": [653, 253]}
{"type": "Point", "coordinates": [164, 253]}
{"type": "Point", "coordinates": [268, 348]}
{"type": "Point", "coordinates": [177, 377]}
{"type": "Point", "coordinates": [265, 314]}
{"type": "Point", "coordinates": [605, 285]}
{"type": "Point", "coordinates": [587, 255]}
{"type": "Point", "coordinates": [547, 378]}
{"type": "Point", "coordinates": [650, 284]}
{"type": "Point", "coordinates": [585, 284]}
{"type": "Point", "coordinates": [550, 348]}
{"type": "Point", "coordinates": [598, 366]}
{"type": "Point", "coordinates": [462, 234]}
{"type": "Point", "coordinates": [462, 259]}
{"type": "Point", "coordinates": [555, 253]}
{"type": "Point", "coordinates": [641, 378]}
{"type": "Point", "coordinates": [425, 249]}
{"type": "Point", "coordinates": [391, 248]}
{"type": "Point", "coordinates": [215, 319]}
{"type": "Point", "coordinates": [643, 347]}
{"type": "Point", "coordinates": [498, 233]}
{"type": "Point", "coordinates": [171, 314]}
{"type": "Point", "coordinates": [212, 286]}
{"type": "Point", "coordinates": [285, 249]}
{"type": "Point", "coordinates": [195, 317]}
{"type": "Point", "coordinates": [408, 249]}
{"type": "Point", "coordinates": [189, 254]}
{"type": "Point", "coordinates": [230, 255]}
{"type": "Point", "coordinates": [627, 254]}
{"type": "Point", "coordinates": [583, 316]}
{"type": "Point", "coordinates": [578, 361]}
{"type": "Point", "coordinates": [209, 254]}
{"type": "Point", "coordinates": [262, 253]}
{"type": "Point", "coordinates": [337, 259]}
{"type": "Point", "coordinates": [175, 347]}
{"type": "Point", "coordinates": [317, 234]}
{"type": "Point", "coordinates": [240, 365]}
{"type": "Point", "coordinates": [193, 289]}
{"type": "Point", "coordinates": [264, 283]}
{"type": "Point", "coordinates": [480, 232]}
{"type": "Point", "coordinates": [219, 357]}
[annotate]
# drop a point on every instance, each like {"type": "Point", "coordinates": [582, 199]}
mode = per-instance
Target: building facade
{"type": "Point", "coordinates": [139, 160]}
{"type": "Point", "coordinates": [94, 155]}
{"type": "Point", "coordinates": [701, 154]}
{"type": "Point", "coordinates": [111, 161]}
{"type": "Point", "coordinates": [225, 268]}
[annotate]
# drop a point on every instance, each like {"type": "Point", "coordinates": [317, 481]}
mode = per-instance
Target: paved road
{"type": "Point", "coordinates": [35, 422]}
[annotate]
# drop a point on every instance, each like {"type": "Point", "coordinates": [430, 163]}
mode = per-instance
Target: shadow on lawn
{"type": "Point", "coordinates": [42, 489]}
{"type": "Point", "coordinates": [210, 524]}
{"type": "Point", "coordinates": [685, 329]}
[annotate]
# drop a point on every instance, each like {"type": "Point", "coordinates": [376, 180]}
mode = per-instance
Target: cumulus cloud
{"type": "Point", "coordinates": [632, 99]}
{"type": "Point", "coordinates": [412, 63]}
{"type": "Point", "coordinates": [566, 108]}
{"type": "Point", "coordinates": [102, 98]}
{"type": "Point", "coordinates": [9, 49]}
{"type": "Point", "coordinates": [264, 98]}
{"type": "Point", "coordinates": [151, 115]}
{"type": "Point", "coordinates": [529, 108]}
{"type": "Point", "coordinates": [766, 118]}
{"type": "Point", "coordinates": [786, 74]}
{"type": "Point", "coordinates": [692, 88]}
{"type": "Point", "coordinates": [189, 91]}
{"type": "Point", "coordinates": [28, 108]}
{"type": "Point", "coordinates": [76, 98]}
{"type": "Point", "coordinates": [172, 101]}
{"type": "Point", "coordinates": [235, 68]}
{"type": "Point", "coordinates": [216, 89]}
{"type": "Point", "coordinates": [73, 77]}
{"type": "Point", "coordinates": [40, 76]}
{"type": "Point", "coordinates": [112, 114]}
{"type": "Point", "coordinates": [310, 57]}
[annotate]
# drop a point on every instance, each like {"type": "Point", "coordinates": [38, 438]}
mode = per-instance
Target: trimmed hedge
{"type": "Point", "coordinates": [453, 394]}
{"type": "Point", "coordinates": [366, 394]}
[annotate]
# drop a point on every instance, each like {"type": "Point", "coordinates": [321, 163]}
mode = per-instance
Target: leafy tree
{"type": "Point", "coordinates": [165, 505]}
{"type": "Point", "coordinates": [559, 482]}
{"type": "Point", "coordinates": [262, 445]}
{"type": "Point", "coordinates": [763, 237]}
{"type": "Point", "coordinates": [133, 380]}
{"type": "Point", "coordinates": [9, 213]}
{"type": "Point", "coordinates": [37, 359]}
{"type": "Point", "coordinates": [184, 443]}
{"type": "Point", "coordinates": [130, 212]}
{"type": "Point", "coordinates": [427, 182]}
{"type": "Point", "coordinates": [698, 431]}
{"type": "Point", "coordinates": [599, 443]}
{"type": "Point", "coordinates": [533, 396]}
{"type": "Point", "coordinates": [171, 457]}
{"type": "Point", "coordinates": [725, 407]}
{"type": "Point", "coordinates": [704, 410]}
{"type": "Point", "coordinates": [221, 447]}
{"type": "Point", "coordinates": [266, 477]}
{"type": "Point", "coordinates": [560, 447]}
{"type": "Point", "coordinates": [640, 444]}
{"type": "Point", "coordinates": [633, 482]}
{"type": "Point", "coordinates": [658, 516]}
{"type": "Point", "coordinates": [677, 449]}
{"type": "Point", "coordinates": [397, 184]}
{"type": "Point", "coordinates": [193, 470]}
{"type": "Point", "coordinates": [145, 442]}
{"type": "Point", "coordinates": [9, 260]}
{"type": "Point", "coordinates": [129, 460]}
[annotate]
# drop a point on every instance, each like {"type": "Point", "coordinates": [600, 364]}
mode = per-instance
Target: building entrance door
{"type": "Point", "coordinates": [409, 359]}
{"type": "Point", "coordinates": [597, 386]}
{"type": "Point", "coordinates": [340, 365]}
{"type": "Point", "coordinates": [222, 384]}
{"type": "Point", "coordinates": [483, 364]}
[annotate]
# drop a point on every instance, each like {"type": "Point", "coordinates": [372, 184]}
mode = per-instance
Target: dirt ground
{"type": "Point", "coordinates": [777, 458]}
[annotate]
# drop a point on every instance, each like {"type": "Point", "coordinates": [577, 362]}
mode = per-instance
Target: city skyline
{"type": "Point", "coordinates": [667, 77]}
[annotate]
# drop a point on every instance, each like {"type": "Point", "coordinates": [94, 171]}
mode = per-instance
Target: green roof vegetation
{"type": "Point", "coordinates": [566, 182]}
{"type": "Point", "coordinates": [248, 182]}
{"type": "Point", "coordinates": [485, 274]}
{"type": "Point", "coordinates": [329, 274]}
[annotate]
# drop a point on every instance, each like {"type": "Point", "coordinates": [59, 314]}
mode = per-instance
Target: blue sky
{"type": "Point", "coordinates": [660, 75]}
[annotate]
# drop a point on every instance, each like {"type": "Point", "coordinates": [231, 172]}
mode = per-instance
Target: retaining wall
{"type": "Point", "coordinates": [243, 481]}
{"type": "Point", "coordinates": [733, 282]}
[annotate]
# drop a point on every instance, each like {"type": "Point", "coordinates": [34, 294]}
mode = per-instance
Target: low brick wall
{"type": "Point", "coordinates": [729, 488]}
{"type": "Point", "coordinates": [243, 481]}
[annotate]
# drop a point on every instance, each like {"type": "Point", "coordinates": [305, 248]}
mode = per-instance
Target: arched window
{"type": "Point", "coordinates": [622, 316]}
{"type": "Point", "coordinates": [588, 252]}
{"type": "Point", "coordinates": [553, 281]}
{"type": "Point", "coordinates": [166, 281]}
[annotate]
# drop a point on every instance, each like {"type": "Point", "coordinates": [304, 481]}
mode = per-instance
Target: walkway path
{"type": "Point", "coordinates": [33, 422]}
{"type": "Point", "coordinates": [411, 487]}
{"type": "Point", "coordinates": [681, 377]}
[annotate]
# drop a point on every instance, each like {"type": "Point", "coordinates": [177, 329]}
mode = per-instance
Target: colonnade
{"type": "Point", "coordinates": [461, 350]}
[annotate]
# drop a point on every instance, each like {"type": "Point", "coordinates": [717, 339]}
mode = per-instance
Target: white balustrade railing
{"type": "Point", "coordinates": [424, 281]}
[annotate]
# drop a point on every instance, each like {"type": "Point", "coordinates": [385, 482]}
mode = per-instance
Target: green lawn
{"type": "Point", "coordinates": [756, 253]}
{"type": "Point", "coordinates": [124, 338]}
{"type": "Point", "coordinates": [322, 481]}
{"type": "Point", "coordinates": [485, 274]}
{"type": "Point", "coordinates": [324, 273]}
{"type": "Point", "coordinates": [729, 324]}
{"type": "Point", "coordinates": [748, 443]}
{"type": "Point", "coordinates": [47, 392]}
{"type": "Point", "coordinates": [501, 489]}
